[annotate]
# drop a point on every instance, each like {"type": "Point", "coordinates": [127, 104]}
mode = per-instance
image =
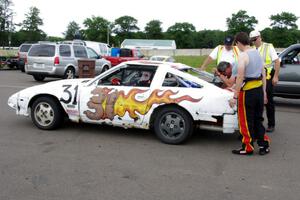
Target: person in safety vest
{"type": "Point", "coordinates": [250, 96]}
{"type": "Point", "coordinates": [226, 52]}
{"type": "Point", "coordinates": [272, 66]}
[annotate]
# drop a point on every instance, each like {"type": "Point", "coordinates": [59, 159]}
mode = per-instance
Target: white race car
{"type": "Point", "coordinates": [141, 94]}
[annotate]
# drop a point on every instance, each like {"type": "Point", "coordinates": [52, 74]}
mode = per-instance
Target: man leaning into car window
{"type": "Point", "coordinates": [227, 73]}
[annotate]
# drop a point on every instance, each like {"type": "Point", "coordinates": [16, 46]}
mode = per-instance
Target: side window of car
{"type": "Point", "coordinates": [80, 52]}
{"type": "Point", "coordinates": [138, 78]}
{"type": "Point", "coordinates": [65, 50]}
{"type": "Point", "coordinates": [293, 57]}
{"type": "Point", "coordinates": [172, 80]}
{"type": "Point", "coordinates": [92, 53]}
{"type": "Point", "coordinates": [112, 79]}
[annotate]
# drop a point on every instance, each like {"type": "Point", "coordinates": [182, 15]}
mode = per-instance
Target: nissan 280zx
{"type": "Point", "coordinates": [164, 97]}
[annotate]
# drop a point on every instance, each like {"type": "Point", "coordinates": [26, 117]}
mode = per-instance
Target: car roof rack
{"type": "Point", "coordinates": [74, 42]}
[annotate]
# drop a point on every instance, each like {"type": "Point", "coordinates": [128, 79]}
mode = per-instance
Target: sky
{"type": "Point", "coordinates": [208, 14]}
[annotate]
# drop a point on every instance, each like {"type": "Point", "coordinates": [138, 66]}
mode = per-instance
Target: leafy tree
{"type": "Point", "coordinates": [31, 25]}
{"type": "Point", "coordinates": [96, 29]}
{"type": "Point", "coordinates": [284, 20]}
{"type": "Point", "coordinates": [281, 37]}
{"type": "Point", "coordinates": [6, 23]}
{"type": "Point", "coordinates": [153, 30]}
{"type": "Point", "coordinates": [54, 39]}
{"type": "Point", "coordinates": [71, 30]}
{"type": "Point", "coordinates": [183, 34]}
{"type": "Point", "coordinates": [209, 38]}
{"type": "Point", "coordinates": [241, 22]}
{"type": "Point", "coordinates": [124, 27]}
{"type": "Point", "coordinates": [32, 21]}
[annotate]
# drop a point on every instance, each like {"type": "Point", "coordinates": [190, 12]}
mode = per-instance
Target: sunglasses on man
{"type": "Point", "coordinates": [253, 39]}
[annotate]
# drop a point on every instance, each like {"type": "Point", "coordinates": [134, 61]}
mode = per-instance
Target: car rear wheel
{"type": "Point", "coordinates": [38, 77]}
{"type": "Point", "coordinates": [173, 125]}
{"type": "Point", "coordinates": [46, 114]}
{"type": "Point", "coordinates": [105, 68]}
{"type": "Point", "coordinates": [69, 73]}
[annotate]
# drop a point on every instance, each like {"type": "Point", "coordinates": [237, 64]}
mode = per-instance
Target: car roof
{"type": "Point", "coordinates": [178, 66]}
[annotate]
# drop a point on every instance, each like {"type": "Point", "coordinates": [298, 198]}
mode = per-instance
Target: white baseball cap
{"type": "Point", "coordinates": [254, 34]}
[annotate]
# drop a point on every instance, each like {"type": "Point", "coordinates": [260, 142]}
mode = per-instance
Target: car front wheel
{"type": "Point", "coordinates": [173, 125]}
{"type": "Point", "coordinates": [46, 114]}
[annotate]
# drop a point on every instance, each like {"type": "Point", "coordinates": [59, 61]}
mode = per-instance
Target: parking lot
{"type": "Point", "coordinates": [82, 161]}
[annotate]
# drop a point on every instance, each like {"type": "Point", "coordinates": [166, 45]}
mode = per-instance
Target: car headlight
{"type": "Point", "coordinates": [13, 101]}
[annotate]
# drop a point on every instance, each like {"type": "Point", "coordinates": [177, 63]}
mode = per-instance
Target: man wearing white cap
{"type": "Point", "coordinates": [269, 57]}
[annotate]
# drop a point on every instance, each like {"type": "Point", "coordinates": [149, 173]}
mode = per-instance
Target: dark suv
{"type": "Point", "coordinates": [289, 75]}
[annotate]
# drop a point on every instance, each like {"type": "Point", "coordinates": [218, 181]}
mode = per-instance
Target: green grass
{"type": "Point", "coordinates": [8, 53]}
{"type": "Point", "coordinates": [194, 61]}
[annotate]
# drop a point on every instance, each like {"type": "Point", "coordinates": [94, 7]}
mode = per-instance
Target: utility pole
{"type": "Point", "coordinates": [108, 32]}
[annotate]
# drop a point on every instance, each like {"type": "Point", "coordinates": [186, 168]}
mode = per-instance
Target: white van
{"type": "Point", "coordinates": [102, 49]}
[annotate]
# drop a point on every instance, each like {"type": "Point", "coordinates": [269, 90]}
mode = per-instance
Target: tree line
{"type": "Point", "coordinates": [283, 30]}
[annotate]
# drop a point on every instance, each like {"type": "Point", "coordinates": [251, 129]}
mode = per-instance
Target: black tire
{"type": "Point", "coordinates": [173, 125]}
{"type": "Point", "coordinates": [11, 66]}
{"type": "Point", "coordinates": [105, 68]}
{"type": "Point", "coordinates": [69, 73]}
{"type": "Point", "coordinates": [38, 77]}
{"type": "Point", "coordinates": [46, 114]}
{"type": "Point", "coordinates": [22, 68]}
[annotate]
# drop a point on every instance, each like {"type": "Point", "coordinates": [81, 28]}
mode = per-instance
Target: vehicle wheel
{"type": "Point", "coordinates": [173, 125]}
{"type": "Point", "coordinates": [22, 68]}
{"type": "Point", "coordinates": [11, 66]}
{"type": "Point", "coordinates": [69, 73]}
{"type": "Point", "coordinates": [105, 68]}
{"type": "Point", "coordinates": [46, 114]}
{"type": "Point", "coordinates": [38, 77]}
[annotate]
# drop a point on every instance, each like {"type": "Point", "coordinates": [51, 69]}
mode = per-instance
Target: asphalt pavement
{"type": "Point", "coordinates": [87, 162]}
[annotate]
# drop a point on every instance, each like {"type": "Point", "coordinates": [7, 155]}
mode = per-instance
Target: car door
{"type": "Point", "coordinates": [115, 99]}
{"type": "Point", "coordinates": [289, 76]}
{"type": "Point", "coordinates": [98, 61]}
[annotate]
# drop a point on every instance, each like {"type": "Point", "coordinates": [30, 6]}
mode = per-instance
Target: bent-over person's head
{"type": "Point", "coordinates": [225, 69]}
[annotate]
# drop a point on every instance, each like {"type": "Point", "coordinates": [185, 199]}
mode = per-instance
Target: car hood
{"type": "Point", "coordinates": [49, 88]}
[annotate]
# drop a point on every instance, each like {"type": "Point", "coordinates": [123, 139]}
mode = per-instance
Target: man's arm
{"type": "Point", "coordinates": [242, 61]}
{"type": "Point", "coordinates": [212, 56]}
{"type": "Point", "coordinates": [264, 80]}
{"type": "Point", "coordinates": [276, 61]}
{"type": "Point", "coordinates": [276, 74]}
{"type": "Point", "coordinates": [229, 82]}
{"type": "Point", "coordinates": [206, 62]}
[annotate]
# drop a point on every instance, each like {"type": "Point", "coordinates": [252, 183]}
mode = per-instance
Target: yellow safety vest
{"type": "Point", "coordinates": [265, 54]}
{"type": "Point", "coordinates": [235, 53]}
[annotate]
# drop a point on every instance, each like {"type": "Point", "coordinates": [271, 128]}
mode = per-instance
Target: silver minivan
{"type": "Point", "coordinates": [60, 60]}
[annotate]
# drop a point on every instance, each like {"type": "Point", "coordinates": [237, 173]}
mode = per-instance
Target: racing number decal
{"type": "Point", "coordinates": [70, 96]}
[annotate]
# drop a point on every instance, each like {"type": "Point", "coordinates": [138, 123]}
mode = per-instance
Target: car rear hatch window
{"type": "Point", "coordinates": [43, 50]}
